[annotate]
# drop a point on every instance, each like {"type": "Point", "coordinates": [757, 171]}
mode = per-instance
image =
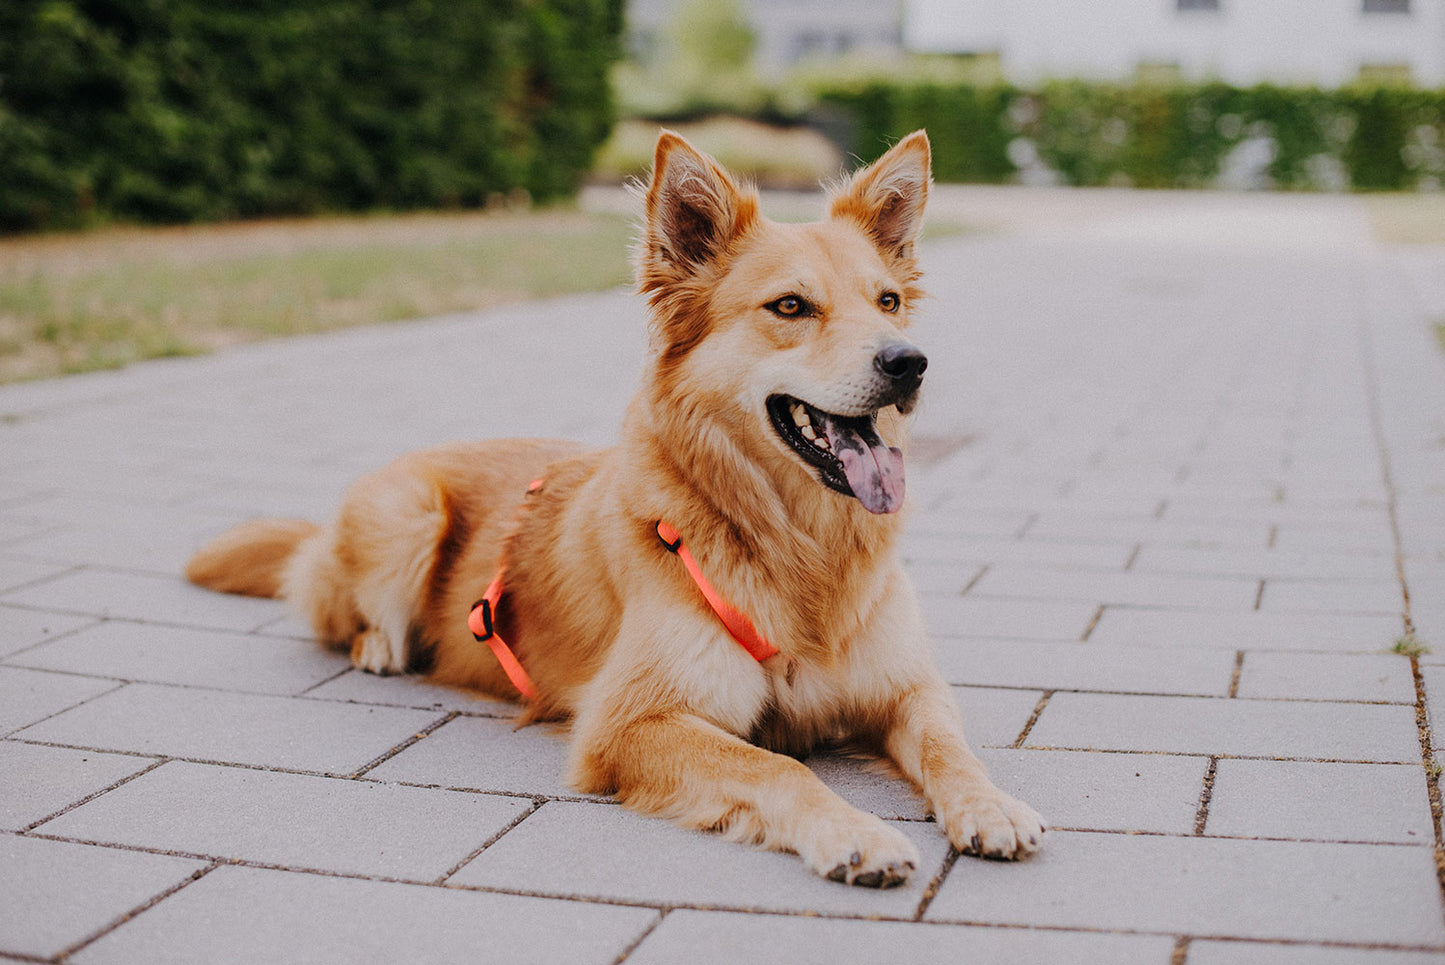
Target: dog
{"type": "Point", "coordinates": [764, 452]}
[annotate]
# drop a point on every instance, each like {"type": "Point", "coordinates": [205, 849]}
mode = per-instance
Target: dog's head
{"type": "Point", "coordinates": [788, 341]}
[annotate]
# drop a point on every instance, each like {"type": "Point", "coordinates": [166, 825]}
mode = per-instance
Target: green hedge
{"type": "Point", "coordinates": [1160, 136]}
{"type": "Point", "coordinates": [183, 110]}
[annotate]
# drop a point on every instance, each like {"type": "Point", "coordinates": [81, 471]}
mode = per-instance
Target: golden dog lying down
{"type": "Point", "coordinates": [781, 364]}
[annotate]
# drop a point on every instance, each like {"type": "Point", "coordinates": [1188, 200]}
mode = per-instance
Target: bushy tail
{"type": "Point", "coordinates": [252, 558]}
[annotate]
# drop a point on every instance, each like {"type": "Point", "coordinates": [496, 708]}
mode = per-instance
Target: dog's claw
{"type": "Point", "coordinates": [870, 879]}
{"type": "Point", "coordinates": [839, 873]}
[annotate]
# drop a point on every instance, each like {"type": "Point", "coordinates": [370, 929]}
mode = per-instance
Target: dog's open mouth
{"type": "Point", "coordinates": [845, 450]}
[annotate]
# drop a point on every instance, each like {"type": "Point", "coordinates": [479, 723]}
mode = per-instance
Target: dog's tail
{"type": "Point", "coordinates": [252, 559]}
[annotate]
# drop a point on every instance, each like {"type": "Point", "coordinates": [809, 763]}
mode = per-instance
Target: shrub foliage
{"type": "Point", "coordinates": [184, 110]}
{"type": "Point", "coordinates": [1366, 138]}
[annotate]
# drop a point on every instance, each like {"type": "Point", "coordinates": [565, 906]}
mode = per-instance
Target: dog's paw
{"type": "Point", "coordinates": [864, 852]}
{"type": "Point", "coordinates": [372, 651]}
{"type": "Point", "coordinates": [991, 824]}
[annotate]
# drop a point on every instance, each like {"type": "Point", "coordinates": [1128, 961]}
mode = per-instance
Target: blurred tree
{"type": "Point", "coordinates": [176, 110]}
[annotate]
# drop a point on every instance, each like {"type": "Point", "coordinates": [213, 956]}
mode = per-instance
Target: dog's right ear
{"type": "Point", "coordinates": [694, 212]}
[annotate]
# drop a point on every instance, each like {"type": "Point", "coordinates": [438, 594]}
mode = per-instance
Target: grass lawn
{"type": "Point", "coordinates": [72, 303]}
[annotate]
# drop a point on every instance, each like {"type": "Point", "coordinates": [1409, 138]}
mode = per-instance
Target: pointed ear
{"type": "Point", "coordinates": [694, 210]}
{"type": "Point", "coordinates": [886, 199]}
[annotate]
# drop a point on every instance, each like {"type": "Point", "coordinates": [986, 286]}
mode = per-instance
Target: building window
{"type": "Point", "coordinates": [1386, 6]}
{"type": "Point", "coordinates": [1208, 6]}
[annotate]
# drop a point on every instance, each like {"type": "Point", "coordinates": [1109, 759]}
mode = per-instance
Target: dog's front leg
{"type": "Point", "coordinates": [682, 767]}
{"type": "Point", "coordinates": [926, 741]}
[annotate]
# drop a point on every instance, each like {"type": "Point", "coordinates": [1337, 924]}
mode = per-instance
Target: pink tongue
{"type": "Point", "coordinates": [876, 477]}
{"type": "Point", "coordinates": [874, 470]}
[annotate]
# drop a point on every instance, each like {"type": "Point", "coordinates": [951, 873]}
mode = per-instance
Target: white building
{"type": "Point", "coordinates": [789, 32]}
{"type": "Point", "coordinates": [1243, 42]}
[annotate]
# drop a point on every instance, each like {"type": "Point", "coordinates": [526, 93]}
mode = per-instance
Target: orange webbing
{"type": "Point", "coordinates": [484, 612]}
{"type": "Point", "coordinates": [738, 625]}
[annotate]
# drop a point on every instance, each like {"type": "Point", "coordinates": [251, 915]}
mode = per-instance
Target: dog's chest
{"type": "Point", "coordinates": [806, 704]}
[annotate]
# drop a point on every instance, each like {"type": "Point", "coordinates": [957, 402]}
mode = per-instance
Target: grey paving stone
{"type": "Point", "coordinates": [294, 820]}
{"type": "Point", "coordinates": [725, 938]}
{"type": "Point", "coordinates": [1206, 886]}
{"type": "Point", "coordinates": [1123, 589]}
{"type": "Point", "coordinates": [245, 915]}
{"type": "Point", "coordinates": [56, 894]}
{"type": "Point", "coordinates": [124, 535]}
{"type": "Point", "coordinates": [1220, 534]}
{"type": "Point", "coordinates": [1328, 676]}
{"type": "Point", "coordinates": [953, 616]}
{"type": "Point", "coordinates": [1257, 953]}
{"type": "Point", "coordinates": [18, 572]}
{"type": "Point", "coordinates": [605, 851]}
{"type": "Point", "coordinates": [1262, 564]}
{"type": "Point", "coordinates": [1327, 802]}
{"type": "Point", "coordinates": [409, 690]}
{"type": "Point", "coordinates": [21, 629]}
{"type": "Point", "coordinates": [1246, 728]}
{"type": "Point", "coordinates": [281, 732]}
{"type": "Point", "coordinates": [194, 657]}
{"type": "Point", "coordinates": [869, 784]}
{"type": "Point", "coordinates": [1331, 596]}
{"type": "Point", "coordinates": [1245, 631]}
{"type": "Point", "coordinates": [485, 754]}
{"type": "Point", "coordinates": [1085, 666]}
{"type": "Point", "coordinates": [27, 696]}
{"type": "Point", "coordinates": [995, 717]}
{"type": "Point", "coordinates": [1369, 539]}
{"type": "Point", "coordinates": [923, 549]}
{"type": "Point", "coordinates": [145, 597]}
{"type": "Point", "coordinates": [39, 781]}
{"type": "Point", "coordinates": [1155, 793]}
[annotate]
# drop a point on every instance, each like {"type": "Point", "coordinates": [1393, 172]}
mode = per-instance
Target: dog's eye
{"type": "Point", "coordinates": [889, 302]}
{"type": "Point", "coordinates": [789, 306]}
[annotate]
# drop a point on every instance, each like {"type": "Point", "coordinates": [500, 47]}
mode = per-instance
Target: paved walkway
{"type": "Point", "coordinates": [1178, 487]}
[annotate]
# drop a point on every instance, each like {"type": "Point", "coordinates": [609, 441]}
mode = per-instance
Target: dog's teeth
{"type": "Point", "coordinates": [822, 442]}
{"type": "Point", "coordinates": [808, 432]}
{"type": "Point", "coordinates": [800, 415]}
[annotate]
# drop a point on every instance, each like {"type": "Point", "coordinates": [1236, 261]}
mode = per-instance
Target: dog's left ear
{"type": "Point", "coordinates": [886, 199]}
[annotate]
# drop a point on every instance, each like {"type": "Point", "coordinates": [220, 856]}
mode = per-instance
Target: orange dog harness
{"type": "Point", "coordinates": [481, 621]}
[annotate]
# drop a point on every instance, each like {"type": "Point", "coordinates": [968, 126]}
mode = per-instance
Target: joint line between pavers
{"type": "Point", "coordinates": [935, 884]}
{"type": "Point", "coordinates": [1094, 623]}
{"type": "Point", "coordinates": [1028, 525]}
{"type": "Point", "coordinates": [1206, 793]}
{"type": "Point", "coordinates": [95, 622]}
{"type": "Point", "coordinates": [138, 910]}
{"type": "Point", "coordinates": [536, 806]}
{"type": "Point", "coordinates": [1180, 955]}
{"type": "Point", "coordinates": [982, 572]}
{"type": "Point", "coordinates": [1033, 719]}
{"type": "Point", "coordinates": [414, 738]}
{"type": "Point", "coordinates": [322, 683]}
{"type": "Point", "coordinates": [1259, 596]}
{"type": "Point", "coordinates": [646, 932]}
{"type": "Point", "coordinates": [1431, 766]}
{"type": "Point", "coordinates": [119, 684]}
{"type": "Point", "coordinates": [92, 796]}
{"type": "Point", "coordinates": [1236, 673]}
{"type": "Point", "coordinates": [1382, 449]}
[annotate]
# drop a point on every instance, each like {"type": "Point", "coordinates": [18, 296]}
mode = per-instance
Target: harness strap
{"type": "Point", "coordinates": [738, 625]}
{"type": "Point", "coordinates": [480, 622]}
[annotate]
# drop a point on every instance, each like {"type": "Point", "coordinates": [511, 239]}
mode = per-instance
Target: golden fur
{"type": "Point", "coordinates": [667, 711]}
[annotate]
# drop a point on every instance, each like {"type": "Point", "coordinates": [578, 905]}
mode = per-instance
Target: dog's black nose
{"type": "Point", "coordinates": [903, 364]}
